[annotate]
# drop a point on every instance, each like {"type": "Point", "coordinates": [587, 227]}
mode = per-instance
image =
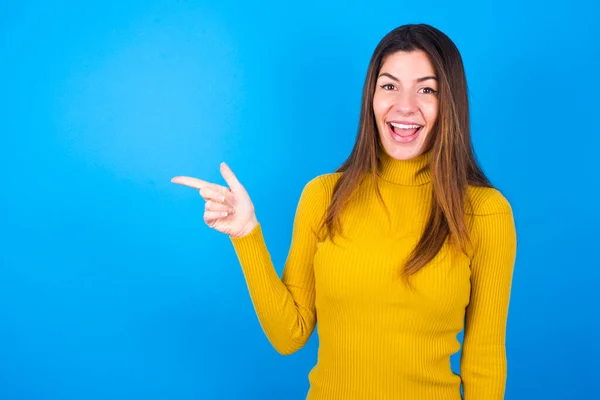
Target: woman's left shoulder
{"type": "Point", "coordinates": [487, 200]}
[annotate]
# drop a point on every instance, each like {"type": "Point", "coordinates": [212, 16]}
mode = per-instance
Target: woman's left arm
{"type": "Point", "coordinates": [483, 362]}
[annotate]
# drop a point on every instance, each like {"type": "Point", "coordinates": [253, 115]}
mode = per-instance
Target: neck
{"type": "Point", "coordinates": [411, 172]}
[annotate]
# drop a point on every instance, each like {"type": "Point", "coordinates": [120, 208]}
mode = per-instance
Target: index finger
{"type": "Point", "coordinates": [190, 182]}
{"type": "Point", "coordinates": [201, 184]}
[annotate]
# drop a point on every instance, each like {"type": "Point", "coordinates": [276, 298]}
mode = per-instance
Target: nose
{"type": "Point", "coordinates": [406, 102]}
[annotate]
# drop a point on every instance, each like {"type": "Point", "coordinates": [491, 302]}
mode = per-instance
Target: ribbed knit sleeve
{"type": "Point", "coordinates": [483, 361]}
{"type": "Point", "coordinates": [285, 307]}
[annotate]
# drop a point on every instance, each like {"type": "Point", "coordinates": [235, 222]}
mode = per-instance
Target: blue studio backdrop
{"type": "Point", "coordinates": [112, 287]}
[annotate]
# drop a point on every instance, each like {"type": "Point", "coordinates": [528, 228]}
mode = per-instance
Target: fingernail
{"type": "Point", "coordinates": [224, 213]}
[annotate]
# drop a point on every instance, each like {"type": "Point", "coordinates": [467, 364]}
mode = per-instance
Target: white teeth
{"type": "Point", "coordinates": [402, 126]}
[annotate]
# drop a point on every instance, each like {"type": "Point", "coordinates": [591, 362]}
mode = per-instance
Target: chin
{"type": "Point", "coordinates": [404, 152]}
{"type": "Point", "coordinates": [401, 149]}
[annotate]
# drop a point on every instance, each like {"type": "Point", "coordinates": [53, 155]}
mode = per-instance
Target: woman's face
{"type": "Point", "coordinates": [405, 103]}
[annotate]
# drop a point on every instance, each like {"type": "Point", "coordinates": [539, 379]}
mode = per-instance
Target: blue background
{"type": "Point", "coordinates": [111, 286]}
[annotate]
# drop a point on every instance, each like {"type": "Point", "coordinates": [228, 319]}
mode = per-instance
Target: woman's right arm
{"type": "Point", "coordinates": [285, 307]}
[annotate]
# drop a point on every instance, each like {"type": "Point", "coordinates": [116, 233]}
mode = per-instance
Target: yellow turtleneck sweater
{"type": "Point", "coordinates": [378, 339]}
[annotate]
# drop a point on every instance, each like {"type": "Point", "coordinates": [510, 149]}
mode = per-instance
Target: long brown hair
{"type": "Point", "coordinates": [453, 164]}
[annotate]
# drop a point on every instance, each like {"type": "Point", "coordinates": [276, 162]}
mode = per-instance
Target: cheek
{"type": "Point", "coordinates": [380, 106]}
{"type": "Point", "coordinates": [430, 111]}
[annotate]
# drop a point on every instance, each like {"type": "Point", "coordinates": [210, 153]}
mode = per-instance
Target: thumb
{"type": "Point", "coordinates": [229, 177]}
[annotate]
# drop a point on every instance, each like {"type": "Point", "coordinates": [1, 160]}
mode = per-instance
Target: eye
{"type": "Point", "coordinates": [387, 86]}
{"type": "Point", "coordinates": [429, 90]}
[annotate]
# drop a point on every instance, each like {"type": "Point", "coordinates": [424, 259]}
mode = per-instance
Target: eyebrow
{"type": "Point", "coordinates": [418, 80]}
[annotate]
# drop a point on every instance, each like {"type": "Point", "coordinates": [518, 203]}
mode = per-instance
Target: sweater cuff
{"type": "Point", "coordinates": [251, 249]}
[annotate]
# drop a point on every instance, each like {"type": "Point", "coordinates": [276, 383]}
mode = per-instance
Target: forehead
{"type": "Point", "coordinates": [407, 64]}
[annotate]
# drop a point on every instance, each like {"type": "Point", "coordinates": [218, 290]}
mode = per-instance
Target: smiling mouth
{"type": "Point", "coordinates": [404, 130]}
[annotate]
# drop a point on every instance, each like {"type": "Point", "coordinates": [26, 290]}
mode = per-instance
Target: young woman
{"type": "Point", "coordinates": [396, 252]}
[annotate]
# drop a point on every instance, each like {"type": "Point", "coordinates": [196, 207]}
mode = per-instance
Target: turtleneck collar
{"type": "Point", "coordinates": [412, 172]}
